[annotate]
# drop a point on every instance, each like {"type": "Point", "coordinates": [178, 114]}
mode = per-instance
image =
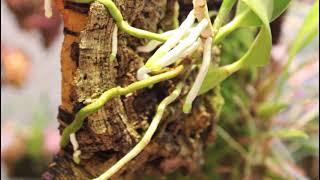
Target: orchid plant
{"type": "Point", "coordinates": [196, 32]}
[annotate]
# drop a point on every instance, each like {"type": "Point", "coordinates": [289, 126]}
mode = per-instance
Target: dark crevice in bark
{"type": "Point", "coordinates": [78, 7]}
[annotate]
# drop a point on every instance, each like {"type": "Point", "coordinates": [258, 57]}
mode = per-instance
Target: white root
{"type": "Point", "coordinates": [142, 73]}
{"type": "Point", "coordinates": [190, 50]}
{"type": "Point", "coordinates": [76, 156]}
{"type": "Point", "coordinates": [169, 44]}
{"type": "Point", "coordinates": [200, 77]}
{"type": "Point", "coordinates": [178, 34]}
{"type": "Point", "coordinates": [153, 44]}
{"type": "Point", "coordinates": [114, 45]}
{"type": "Point", "coordinates": [74, 141]}
{"type": "Point", "coordinates": [176, 52]}
{"type": "Point", "coordinates": [145, 139]}
{"type": "Point", "coordinates": [47, 8]}
{"type": "Point", "coordinates": [75, 145]}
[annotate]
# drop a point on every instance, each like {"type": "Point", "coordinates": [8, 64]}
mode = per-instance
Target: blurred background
{"type": "Point", "coordinates": [30, 87]}
{"type": "Point", "coordinates": [30, 96]}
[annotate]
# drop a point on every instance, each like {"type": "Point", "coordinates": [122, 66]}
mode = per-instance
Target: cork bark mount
{"type": "Point", "coordinates": [110, 133]}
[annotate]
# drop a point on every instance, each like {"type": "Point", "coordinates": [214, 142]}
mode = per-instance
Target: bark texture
{"type": "Point", "coordinates": [110, 133]}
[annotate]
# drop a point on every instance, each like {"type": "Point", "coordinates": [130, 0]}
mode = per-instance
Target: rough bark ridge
{"type": "Point", "coordinates": [109, 134]}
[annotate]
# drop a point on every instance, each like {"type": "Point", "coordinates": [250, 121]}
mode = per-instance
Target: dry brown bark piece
{"type": "Point", "coordinates": [109, 134]}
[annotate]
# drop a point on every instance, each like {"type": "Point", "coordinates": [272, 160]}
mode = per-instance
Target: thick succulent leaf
{"type": "Point", "coordinates": [275, 9]}
{"type": "Point", "coordinates": [213, 78]}
{"type": "Point", "coordinates": [261, 8]}
{"type": "Point", "coordinates": [308, 31]}
{"type": "Point", "coordinates": [257, 55]}
{"type": "Point", "coordinates": [251, 18]}
{"type": "Point", "coordinates": [246, 17]}
{"type": "Point", "coordinates": [279, 6]}
{"type": "Point", "coordinates": [289, 133]}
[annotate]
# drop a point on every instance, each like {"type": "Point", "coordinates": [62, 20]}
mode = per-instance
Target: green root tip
{"type": "Point", "coordinates": [186, 108]}
{"type": "Point", "coordinates": [76, 157]}
{"type": "Point", "coordinates": [112, 57]}
{"type": "Point", "coordinates": [76, 160]}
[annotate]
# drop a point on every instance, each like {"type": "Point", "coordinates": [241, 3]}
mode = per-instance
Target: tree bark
{"type": "Point", "coordinates": [110, 133]}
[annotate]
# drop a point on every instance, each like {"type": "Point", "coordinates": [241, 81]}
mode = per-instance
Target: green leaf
{"type": "Point", "coordinates": [248, 17]}
{"type": "Point", "coordinates": [249, 14]}
{"type": "Point", "coordinates": [268, 109]}
{"type": "Point", "coordinates": [237, 44]}
{"type": "Point", "coordinates": [261, 8]}
{"type": "Point", "coordinates": [279, 6]}
{"type": "Point", "coordinates": [257, 55]}
{"type": "Point", "coordinates": [213, 78]}
{"type": "Point", "coordinates": [289, 133]}
{"type": "Point", "coordinates": [308, 31]}
{"type": "Point", "coordinates": [275, 9]}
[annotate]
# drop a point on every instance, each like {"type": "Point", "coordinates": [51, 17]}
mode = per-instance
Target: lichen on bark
{"type": "Point", "coordinates": [110, 133]}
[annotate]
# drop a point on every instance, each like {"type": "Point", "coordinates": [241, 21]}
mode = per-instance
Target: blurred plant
{"type": "Point", "coordinates": [28, 146]}
{"type": "Point", "coordinates": [15, 66]}
{"type": "Point", "coordinates": [12, 143]}
{"type": "Point", "coordinates": [30, 15]}
{"type": "Point", "coordinates": [270, 136]}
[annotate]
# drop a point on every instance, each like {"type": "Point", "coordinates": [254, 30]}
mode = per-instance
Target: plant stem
{"type": "Point", "coordinates": [116, 91]}
{"type": "Point", "coordinates": [140, 33]}
{"type": "Point", "coordinates": [232, 143]}
{"type": "Point", "coordinates": [201, 11]}
{"type": "Point", "coordinates": [225, 8]}
{"type": "Point", "coordinates": [230, 27]}
{"type": "Point", "coordinates": [146, 138]}
{"type": "Point", "coordinates": [175, 16]}
{"type": "Point", "coordinates": [249, 119]}
{"type": "Point", "coordinates": [248, 164]}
